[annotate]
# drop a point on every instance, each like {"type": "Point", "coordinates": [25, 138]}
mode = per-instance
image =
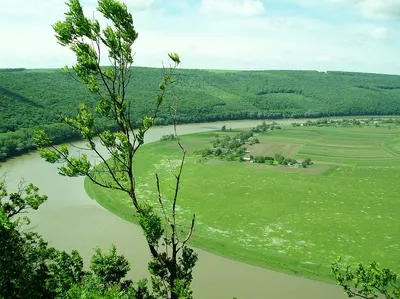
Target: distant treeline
{"type": "Point", "coordinates": [13, 70]}
{"type": "Point", "coordinates": [32, 99]}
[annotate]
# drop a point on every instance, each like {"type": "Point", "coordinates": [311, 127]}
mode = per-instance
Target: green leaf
{"type": "Point", "coordinates": [41, 138]}
{"type": "Point", "coordinates": [76, 167]}
{"type": "Point", "coordinates": [150, 223]}
{"type": "Point", "coordinates": [174, 57]}
{"type": "Point", "coordinates": [50, 155]}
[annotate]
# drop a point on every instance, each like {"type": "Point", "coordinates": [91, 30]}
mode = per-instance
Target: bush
{"type": "Point", "coordinates": [205, 152]}
{"type": "Point", "coordinates": [168, 137]}
{"type": "Point", "coordinates": [259, 159]}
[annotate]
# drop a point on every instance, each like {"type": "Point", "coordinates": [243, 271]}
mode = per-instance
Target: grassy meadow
{"type": "Point", "coordinates": [294, 220]}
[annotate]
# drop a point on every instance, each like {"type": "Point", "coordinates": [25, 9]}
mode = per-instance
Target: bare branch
{"type": "Point", "coordinates": [189, 234]}
{"type": "Point", "coordinates": [79, 148]}
{"type": "Point", "coordinates": [4, 175]}
{"type": "Point", "coordinates": [160, 200]}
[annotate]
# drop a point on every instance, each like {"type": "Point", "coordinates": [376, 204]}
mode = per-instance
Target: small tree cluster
{"type": "Point", "coordinates": [281, 160]}
{"type": "Point", "coordinates": [326, 122]}
{"type": "Point", "coordinates": [228, 147]}
{"type": "Point", "coordinates": [168, 137]}
{"type": "Point", "coordinates": [264, 127]}
{"type": "Point", "coordinates": [262, 159]}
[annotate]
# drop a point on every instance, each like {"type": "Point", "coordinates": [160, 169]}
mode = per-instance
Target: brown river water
{"type": "Point", "coordinates": [71, 220]}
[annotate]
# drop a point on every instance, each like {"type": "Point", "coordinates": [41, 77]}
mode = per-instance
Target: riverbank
{"type": "Point", "coordinates": [71, 220]}
{"type": "Point", "coordinates": [292, 220]}
{"type": "Point", "coordinates": [20, 142]}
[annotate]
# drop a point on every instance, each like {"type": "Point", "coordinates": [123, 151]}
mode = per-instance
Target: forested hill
{"type": "Point", "coordinates": [31, 99]}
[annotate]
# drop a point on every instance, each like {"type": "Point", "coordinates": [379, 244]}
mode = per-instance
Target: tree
{"type": "Point", "coordinates": [23, 255]}
{"type": "Point", "coordinates": [308, 161]}
{"type": "Point", "coordinates": [259, 159]}
{"type": "Point", "coordinates": [366, 282]}
{"type": "Point", "coordinates": [109, 269]}
{"type": "Point", "coordinates": [32, 269]}
{"type": "Point", "coordinates": [171, 266]}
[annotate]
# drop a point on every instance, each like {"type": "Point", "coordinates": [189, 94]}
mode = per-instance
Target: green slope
{"type": "Point", "coordinates": [31, 99]}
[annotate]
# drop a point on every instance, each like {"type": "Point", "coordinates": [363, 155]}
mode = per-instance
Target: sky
{"type": "Point", "coordinates": [347, 35]}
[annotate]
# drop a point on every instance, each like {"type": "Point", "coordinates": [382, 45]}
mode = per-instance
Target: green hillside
{"type": "Point", "coordinates": [31, 99]}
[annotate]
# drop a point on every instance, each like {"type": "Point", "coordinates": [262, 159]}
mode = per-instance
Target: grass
{"type": "Point", "coordinates": [288, 219]}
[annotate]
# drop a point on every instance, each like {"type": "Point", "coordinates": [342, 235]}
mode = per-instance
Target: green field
{"type": "Point", "coordinates": [293, 220]}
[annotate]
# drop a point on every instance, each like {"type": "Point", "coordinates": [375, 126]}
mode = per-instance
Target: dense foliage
{"type": "Point", "coordinates": [32, 99]}
{"type": "Point", "coordinates": [366, 281]}
{"type": "Point", "coordinates": [32, 269]}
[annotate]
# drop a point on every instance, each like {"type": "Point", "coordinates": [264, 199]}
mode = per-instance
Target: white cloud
{"type": "Point", "coordinates": [232, 8]}
{"type": "Point", "coordinates": [369, 9]}
{"type": "Point", "coordinates": [241, 42]}
{"type": "Point", "coordinates": [139, 4]}
{"type": "Point", "coordinates": [29, 8]}
{"type": "Point", "coordinates": [134, 5]}
{"type": "Point", "coordinates": [272, 46]}
{"type": "Point", "coordinates": [379, 33]}
{"type": "Point", "coordinates": [380, 9]}
{"type": "Point", "coordinates": [322, 2]}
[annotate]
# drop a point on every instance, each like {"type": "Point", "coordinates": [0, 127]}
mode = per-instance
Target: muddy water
{"type": "Point", "coordinates": [71, 220]}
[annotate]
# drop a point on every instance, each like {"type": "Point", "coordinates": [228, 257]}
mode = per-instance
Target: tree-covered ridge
{"type": "Point", "coordinates": [31, 99]}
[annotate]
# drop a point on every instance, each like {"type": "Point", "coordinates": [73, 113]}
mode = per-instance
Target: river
{"type": "Point", "coordinates": [71, 220]}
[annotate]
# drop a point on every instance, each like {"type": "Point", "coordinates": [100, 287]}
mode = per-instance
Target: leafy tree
{"type": "Point", "coordinates": [279, 158]}
{"type": "Point", "coordinates": [259, 159]}
{"type": "Point", "coordinates": [230, 157]}
{"type": "Point", "coordinates": [170, 269]}
{"type": "Point", "coordinates": [66, 272]}
{"type": "Point", "coordinates": [205, 152]}
{"type": "Point", "coordinates": [89, 290]}
{"type": "Point", "coordinates": [269, 162]}
{"type": "Point", "coordinates": [32, 269]}
{"type": "Point", "coordinates": [370, 281]}
{"type": "Point", "coordinates": [109, 269]}
{"type": "Point", "coordinates": [23, 255]}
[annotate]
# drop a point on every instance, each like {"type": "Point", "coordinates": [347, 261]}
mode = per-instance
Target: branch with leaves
{"type": "Point", "coordinates": [171, 273]}
{"type": "Point", "coordinates": [370, 281]}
